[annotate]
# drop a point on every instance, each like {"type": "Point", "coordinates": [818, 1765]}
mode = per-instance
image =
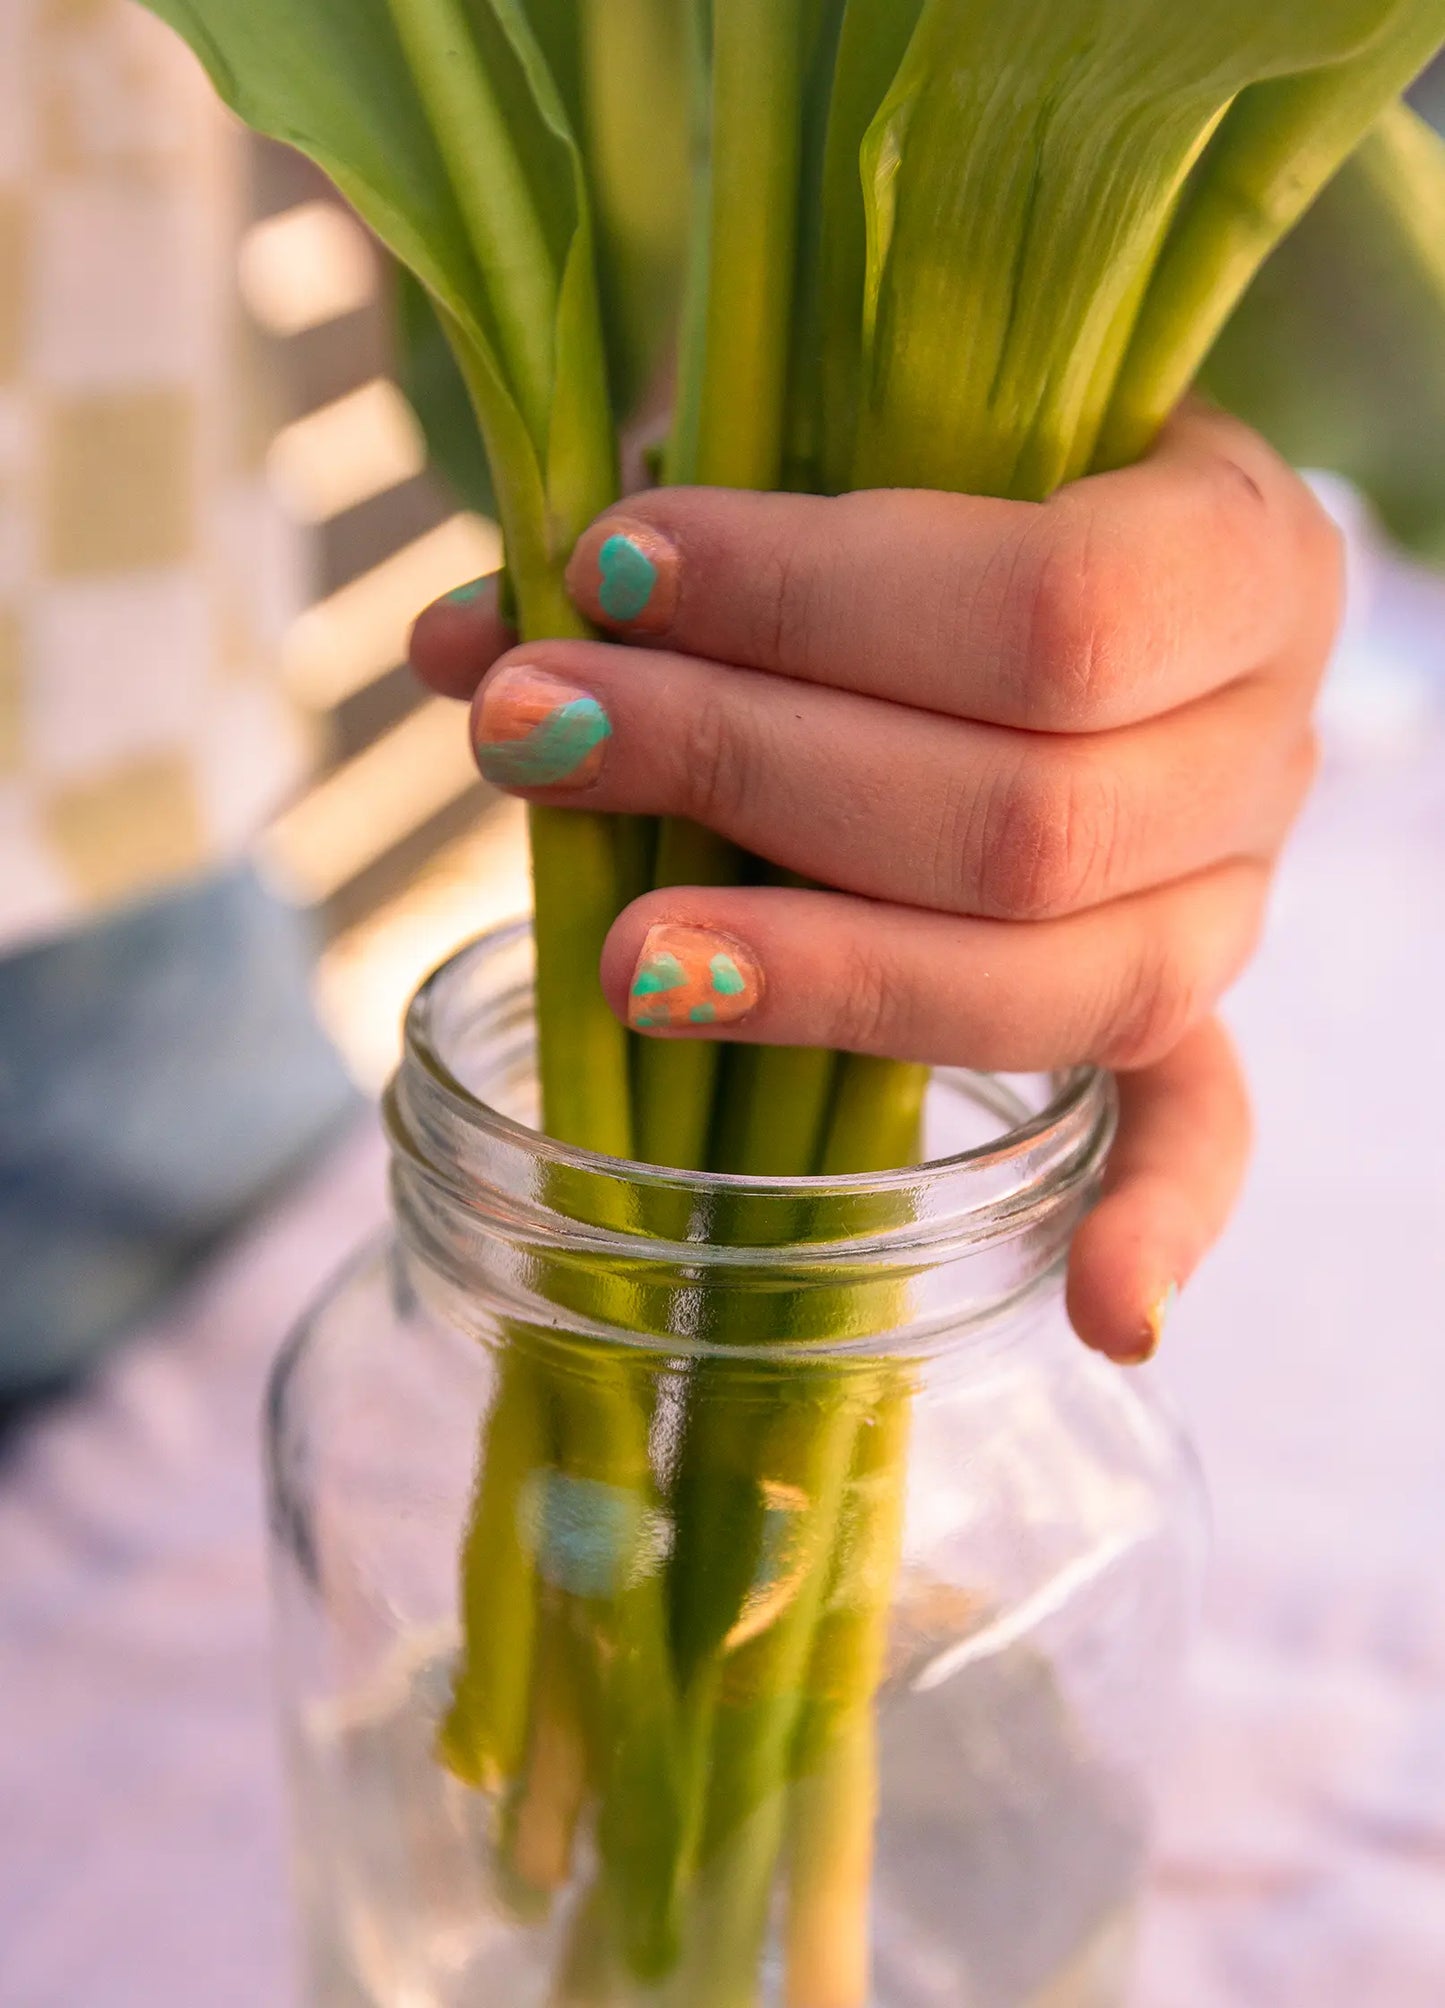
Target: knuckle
{"type": "Point", "coordinates": [785, 614]}
{"type": "Point", "coordinates": [1052, 838]}
{"type": "Point", "coordinates": [1084, 597]}
{"type": "Point", "coordinates": [1175, 978]}
{"type": "Point", "coordinates": [716, 768]}
{"type": "Point", "coordinates": [1160, 1001]}
{"type": "Point", "coordinates": [863, 1003]}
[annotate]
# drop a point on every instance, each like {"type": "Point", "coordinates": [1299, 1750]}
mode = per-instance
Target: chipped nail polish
{"type": "Point", "coordinates": [536, 731]}
{"type": "Point", "coordinates": [1154, 1324]}
{"type": "Point", "coordinates": [690, 976]}
{"type": "Point", "coordinates": [462, 596]}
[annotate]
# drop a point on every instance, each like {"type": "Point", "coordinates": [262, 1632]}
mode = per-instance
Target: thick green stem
{"type": "Point", "coordinates": [773, 1110]}
{"type": "Point", "coordinates": [757, 74]}
{"type": "Point", "coordinates": [796, 1453]}
{"type": "Point", "coordinates": [877, 1116]}
{"type": "Point", "coordinates": [731, 426]}
{"type": "Point", "coordinates": [483, 1738]}
{"type": "Point", "coordinates": [835, 1760]}
{"type": "Point", "coordinates": [492, 191]}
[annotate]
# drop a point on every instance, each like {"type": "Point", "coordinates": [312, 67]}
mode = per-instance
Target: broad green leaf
{"type": "Point", "coordinates": [1020, 179]}
{"type": "Point", "coordinates": [408, 105]}
{"type": "Point", "coordinates": [1335, 351]}
{"type": "Point", "coordinates": [874, 39]}
{"type": "Point", "coordinates": [1278, 146]}
{"type": "Point", "coordinates": [803, 451]}
{"type": "Point", "coordinates": [441, 122]}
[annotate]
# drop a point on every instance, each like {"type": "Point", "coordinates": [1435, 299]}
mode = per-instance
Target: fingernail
{"type": "Point", "coordinates": [535, 731]}
{"type": "Point", "coordinates": [626, 574]}
{"type": "Point", "coordinates": [1154, 1324]}
{"type": "Point", "coordinates": [462, 596]}
{"type": "Point", "coordinates": [691, 976]}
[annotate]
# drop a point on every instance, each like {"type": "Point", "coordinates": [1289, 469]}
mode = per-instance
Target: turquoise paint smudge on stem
{"type": "Point", "coordinates": [552, 751]}
{"type": "Point", "coordinates": [628, 579]}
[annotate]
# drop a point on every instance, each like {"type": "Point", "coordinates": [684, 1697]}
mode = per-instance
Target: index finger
{"type": "Point", "coordinates": [1127, 595]}
{"type": "Point", "coordinates": [455, 640]}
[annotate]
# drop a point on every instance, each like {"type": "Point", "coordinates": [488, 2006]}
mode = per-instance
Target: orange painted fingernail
{"type": "Point", "coordinates": [690, 976]}
{"type": "Point", "coordinates": [535, 731]}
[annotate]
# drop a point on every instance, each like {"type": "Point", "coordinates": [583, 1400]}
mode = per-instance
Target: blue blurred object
{"type": "Point", "coordinates": [159, 1072]}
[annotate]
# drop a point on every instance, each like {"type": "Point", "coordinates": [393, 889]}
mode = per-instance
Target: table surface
{"type": "Point", "coordinates": [1303, 1852]}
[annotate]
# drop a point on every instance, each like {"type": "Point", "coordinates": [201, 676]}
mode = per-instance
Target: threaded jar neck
{"type": "Point", "coordinates": [494, 1213]}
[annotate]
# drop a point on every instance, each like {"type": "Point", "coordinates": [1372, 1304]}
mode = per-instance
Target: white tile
{"type": "Point", "coordinates": [120, 667]}
{"type": "Point", "coordinates": [122, 287]}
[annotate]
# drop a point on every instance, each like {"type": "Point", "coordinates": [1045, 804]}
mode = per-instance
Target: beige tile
{"type": "Point", "coordinates": [131, 829]}
{"type": "Point", "coordinates": [14, 289]}
{"type": "Point", "coordinates": [11, 693]}
{"type": "Point", "coordinates": [119, 482]}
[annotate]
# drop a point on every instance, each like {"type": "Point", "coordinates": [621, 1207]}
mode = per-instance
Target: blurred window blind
{"type": "Point", "coordinates": [394, 781]}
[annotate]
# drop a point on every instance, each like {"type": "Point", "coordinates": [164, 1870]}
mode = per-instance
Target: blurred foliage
{"type": "Point", "coordinates": [1337, 352]}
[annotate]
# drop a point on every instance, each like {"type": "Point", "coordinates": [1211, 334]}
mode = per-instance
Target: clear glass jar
{"type": "Point", "coordinates": [819, 1599]}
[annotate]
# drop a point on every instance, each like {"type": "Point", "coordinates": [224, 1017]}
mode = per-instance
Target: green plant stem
{"type": "Point", "coordinates": [773, 1110]}
{"type": "Point", "coordinates": [484, 1734]}
{"type": "Point", "coordinates": [876, 1118]}
{"type": "Point", "coordinates": [731, 425]}
{"type": "Point", "coordinates": [492, 191]}
{"type": "Point", "coordinates": [542, 1817]}
{"type": "Point", "coordinates": [756, 1679]}
{"type": "Point", "coordinates": [835, 1756]}
{"type": "Point", "coordinates": [604, 1408]}
{"type": "Point", "coordinates": [757, 63]}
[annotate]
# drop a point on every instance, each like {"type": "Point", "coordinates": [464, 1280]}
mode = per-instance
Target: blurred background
{"type": "Point", "coordinates": [234, 834]}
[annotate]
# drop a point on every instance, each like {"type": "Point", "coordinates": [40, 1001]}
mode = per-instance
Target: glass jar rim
{"type": "Point", "coordinates": [450, 1133]}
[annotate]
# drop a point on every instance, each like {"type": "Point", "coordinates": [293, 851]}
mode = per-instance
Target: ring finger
{"type": "Point", "coordinates": [1121, 986]}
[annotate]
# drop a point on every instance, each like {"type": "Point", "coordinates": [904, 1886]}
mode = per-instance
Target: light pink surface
{"type": "Point", "coordinates": [1303, 1866]}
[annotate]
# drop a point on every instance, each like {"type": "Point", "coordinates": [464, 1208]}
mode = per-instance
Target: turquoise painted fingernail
{"type": "Point", "coordinates": [626, 573]}
{"type": "Point", "coordinates": [628, 579]}
{"type": "Point", "coordinates": [462, 596]}
{"type": "Point", "coordinates": [535, 731]}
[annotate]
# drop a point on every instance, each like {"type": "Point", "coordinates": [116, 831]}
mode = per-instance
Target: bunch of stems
{"type": "Point", "coordinates": [683, 1706]}
{"type": "Point", "coordinates": [934, 243]}
{"type": "Point", "coordinates": [717, 1710]}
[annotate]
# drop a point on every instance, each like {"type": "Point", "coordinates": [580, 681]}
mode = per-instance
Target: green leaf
{"type": "Point", "coordinates": [873, 41]}
{"type": "Point", "coordinates": [1335, 351]}
{"type": "Point", "coordinates": [1278, 146]}
{"type": "Point", "coordinates": [440, 122]}
{"type": "Point", "coordinates": [1020, 181]}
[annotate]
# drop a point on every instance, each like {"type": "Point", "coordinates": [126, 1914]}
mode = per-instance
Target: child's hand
{"type": "Point", "coordinates": [1048, 755]}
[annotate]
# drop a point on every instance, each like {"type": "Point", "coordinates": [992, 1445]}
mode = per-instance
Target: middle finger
{"type": "Point", "coordinates": [892, 803]}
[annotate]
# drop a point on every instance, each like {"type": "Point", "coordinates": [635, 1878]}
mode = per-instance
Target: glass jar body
{"type": "Point", "coordinates": [813, 1627]}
